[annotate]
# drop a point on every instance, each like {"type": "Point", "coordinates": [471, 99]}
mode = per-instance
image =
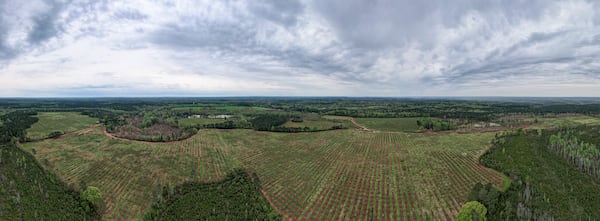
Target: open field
{"type": "Point", "coordinates": [58, 121]}
{"type": "Point", "coordinates": [353, 175]}
{"type": "Point", "coordinates": [566, 121]}
{"type": "Point", "coordinates": [390, 124]}
{"type": "Point", "coordinates": [333, 175]}
{"type": "Point", "coordinates": [127, 171]}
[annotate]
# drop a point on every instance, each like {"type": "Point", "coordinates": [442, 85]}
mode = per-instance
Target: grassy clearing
{"type": "Point", "coordinates": [565, 121]}
{"type": "Point", "coordinates": [560, 121]}
{"type": "Point", "coordinates": [390, 124]}
{"type": "Point", "coordinates": [341, 174]}
{"type": "Point", "coordinates": [347, 121]}
{"type": "Point", "coordinates": [58, 121]}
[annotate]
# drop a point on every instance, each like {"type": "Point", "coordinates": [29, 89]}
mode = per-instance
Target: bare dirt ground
{"type": "Point", "coordinates": [361, 126]}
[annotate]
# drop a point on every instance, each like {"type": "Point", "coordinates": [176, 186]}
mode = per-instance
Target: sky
{"type": "Point", "coordinates": [112, 48]}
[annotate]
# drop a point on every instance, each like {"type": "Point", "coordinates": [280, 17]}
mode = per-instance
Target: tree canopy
{"type": "Point", "coordinates": [472, 211]}
{"type": "Point", "coordinates": [93, 195]}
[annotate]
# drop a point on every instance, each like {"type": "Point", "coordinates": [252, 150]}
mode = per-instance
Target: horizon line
{"type": "Point", "coordinates": [290, 96]}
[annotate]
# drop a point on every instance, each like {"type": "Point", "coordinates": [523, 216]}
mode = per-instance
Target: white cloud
{"type": "Point", "coordinates": [350, 47]}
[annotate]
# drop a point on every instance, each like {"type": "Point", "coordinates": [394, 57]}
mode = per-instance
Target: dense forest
{"type": "Point", "coordinates": [14, 125]}
{"type": "Point", "coordinates": [28, 192]}
{"type": "Point", "coordinates": [229, 124]}
{"type": "Point", "coordinates": [435, 124]}
{"type": "Point", "coordinates": [149, 127]}
{"type": "Point", "coordinates": [268, 122]}
{"type": "Point", "coordinates": [480, 109]}
{"type": "Point", "coordinates": [584, 156]}
{"type": "Point", "coordinates": [110, 119]}
{"type": "Point", "coordinates": [236, 197]}
{"type": "Point", "coordinates": [468, 109]}
{"type": "Point", "coordinates": [544, 185]}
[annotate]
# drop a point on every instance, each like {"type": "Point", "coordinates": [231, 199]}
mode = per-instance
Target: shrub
{"type": "Point", "coordinates": [472, 211]}
{"type": "Point", "coordinates": [54, 134]}
{"type": "Point", "coordinates": [94, 196]}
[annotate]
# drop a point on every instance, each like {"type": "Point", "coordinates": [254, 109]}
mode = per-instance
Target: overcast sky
{"type": "Point", "coordinates": [299, 48]}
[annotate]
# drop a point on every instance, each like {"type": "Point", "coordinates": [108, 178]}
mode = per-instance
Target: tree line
{"type": "Point", "coordinates": [543, 185]}
{"type": "Point", "coordinates": [110, 119]}
{"type": "Point", "coordinates": [521, 201]}
{"type": "Point", "coordinates": [585, 156]}
{"type": "Point", "coordinates": [28, 191]}
{"type": "Point", "coordinates": [15, 124]}
{"type": "Point", "coordinates": [236, 197]}
{"type": "Point", "coordinates": [435, 124]}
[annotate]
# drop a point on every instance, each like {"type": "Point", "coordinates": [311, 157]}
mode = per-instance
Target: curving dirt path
{"type": "Point", "coordinates": [361, 126]}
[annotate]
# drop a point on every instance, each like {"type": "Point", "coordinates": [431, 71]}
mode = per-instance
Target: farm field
{"type": "Point", "coordinates": [390, 124]}
{"type": "Point", "coordinates": [58, 121]}
{"type": "Point", "coordinates": [127, 171]}
{"type": "Point", "coordinates": [332, 175]}
{"type": "Point", "coordinates": [567, 121]}
{"type": "Point", "coordinates": [353, 175]}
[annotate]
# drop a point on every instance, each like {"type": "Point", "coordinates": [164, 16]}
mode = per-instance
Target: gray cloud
{"type": "Point", "coordinates": [393, 23]}
{"type": "Point", "coordinates": [5, 50]}
{"type": "Point", "coordinates": [369, 31]}
{"type": "Point", "coordinates": [198, 34]}
{"type": "Point", "coordinates": [39, 20]}
{"type": "Point", "coordinates": [551, 59]}
{"type": "Point", "coordinates": [284, 12]}
{"type": "Point", "coordinates": [45, 25]}
{"type": "Point", "coordinates": [240, 38]}
{"type": "Point", "coordinates": [379, 47]}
